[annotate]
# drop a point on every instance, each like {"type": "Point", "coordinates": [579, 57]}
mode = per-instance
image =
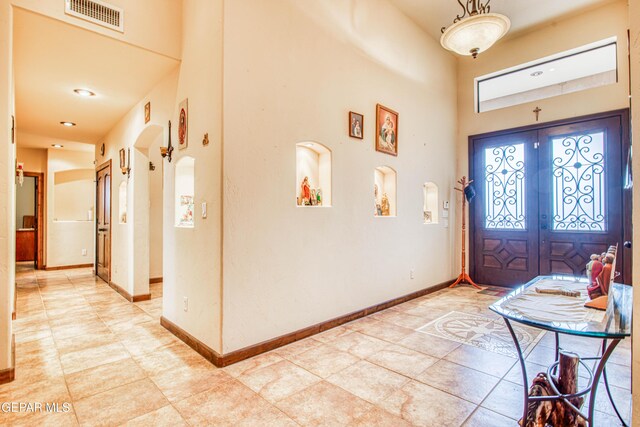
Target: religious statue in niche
{"type": "Point", "coordinates": [313, 200]}
{"type": "Point", "coordinates": [305, 192]}
{"type": "Point", "coordinates": [428, 217]}
{"type": "Point", "coordinates": [385, 206]}
{"type": "Point", "coordinates": [319, 197]}
{"type": "Point", "coordinates": [378, 209]}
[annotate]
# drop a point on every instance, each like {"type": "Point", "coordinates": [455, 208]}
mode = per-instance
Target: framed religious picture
{"type": "Point", "coordinates": [147, 112]}
{"type": "Point", "coordinates": [356, 122]}
{"type": "Point", "coordinates": [386, 130]}
{"type": "Point", "coordinates": [183, 124]}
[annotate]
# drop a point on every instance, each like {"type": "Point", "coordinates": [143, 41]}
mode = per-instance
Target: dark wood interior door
{"type": "Point", "coordinates": [504, 242]}
{"type": "Point", "coordinates": [581, 194]}
{"type": "Point", "coordinates": [548, 197]}
{"type": "Point", "coordinates": [103, 223]}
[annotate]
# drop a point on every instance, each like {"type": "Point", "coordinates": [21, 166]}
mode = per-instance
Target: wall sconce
{"type": "Point", "coordinates": [166, 151]}
{"type": "Point", "coordinates": [125, 161]}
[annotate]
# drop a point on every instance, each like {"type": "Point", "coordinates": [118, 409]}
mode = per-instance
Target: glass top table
{"type": "Point", "coordinates": [567, 315]}
{"type": "Point", "coordinates": [614, 323]}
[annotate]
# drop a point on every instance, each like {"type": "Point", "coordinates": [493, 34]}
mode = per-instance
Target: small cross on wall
{"type": "Point", "coordinates": [537, 111]}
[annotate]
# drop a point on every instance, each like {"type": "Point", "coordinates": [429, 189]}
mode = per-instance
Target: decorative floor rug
{"type": "Point", "coordinates": [479, 331]}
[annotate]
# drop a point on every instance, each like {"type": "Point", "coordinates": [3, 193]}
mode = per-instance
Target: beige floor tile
{"type": "Point", "coordinates": [368, 381]}
{"type": "Point", "coordinates": [332, 334]}
{"type": "Point", "coordinates": [387, 331]}
{"type": "Point", "coordinates": [84, 342]}
{"type": "Point", "coordinates": [179, 384]}
{"type": "Point", "coordinates": [515, 373]}
{"type": "Point", "coordinates": [253, 364]}
{"type": "Point", "coordinates": [402, 360]}
{"type": "Point", "coordinates": [175, 356]}
{"type": "Point", "coordinates": [120, 404]}
{"type": "Point", "coordinates": [297, 347]}
{"type": "Point", "coordinates": [102, 378]}
{"type": "Point", "coordinates": [428, 344]}
{"type": "Point", "coordinates": [279, 380]}
{"type": "Point", "coordinates": [324, 360]}
{"type": "Point", "coordinates": [426, 406]}
{"type": "Point", "coordinates": [379, 418]}
{"type": "Point", "coordinates": [506, 399]}
{"type": "Point", "coordinates": [92, 357]}
{"type": "Point", "coordinates": [485, 418]}
{"type": "Point", "coordinates": [358, 344]}
{"type": "Point", "coordinates": [167, 416]}
{"type": "Point", "coordinates": [230, 404]}
{"type": "Point", "coordinates": [459, 380]}
{"type": "Point", "coordinates": [325, 404]}
{"type": "Point", "coordinates": [407, 320]}
{"type": "Point", "coordinates": [482, 360]}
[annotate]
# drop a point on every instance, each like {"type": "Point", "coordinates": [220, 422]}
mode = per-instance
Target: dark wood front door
{"type": "Point", "coordinates": [548, 198]}
{"type": "Point", "coordinates": [103, 222]}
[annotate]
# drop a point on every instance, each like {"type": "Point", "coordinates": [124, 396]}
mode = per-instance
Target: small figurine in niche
{"type": "Point", "coordinates": [600, 286]}
{"type": "Point", "coordinates": [313, 200]}
{"type": "Point", "coordinates": [593, 258]}
{"type": "Point", "coordinates": [305, 191]}
{"type": "Point", "coordinates": [319, 196]}
{"type": "Point", "coordinates": [427, 217]}
{"type": "Point", "coordinates": [385, 206]}
{"type": "Point", "coordinates": [378, 208]}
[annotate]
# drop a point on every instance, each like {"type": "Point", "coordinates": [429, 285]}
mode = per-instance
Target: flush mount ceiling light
{"type": "Point", "coordinates": [476, 30]}
{"type": "Point", "coordinates": [536, 73]}
{"type": "Point", "coordinates": [57, 145]}
{"type": "Point", "coordinates": [67, 124]}
{"type": "Point", "coordinates": [84, 92]}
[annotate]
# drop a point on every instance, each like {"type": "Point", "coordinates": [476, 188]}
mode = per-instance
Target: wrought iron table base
{"type": "Point", "coordinates": [591, 388]}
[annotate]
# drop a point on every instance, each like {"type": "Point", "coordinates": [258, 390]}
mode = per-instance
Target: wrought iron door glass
{"type": "Point", "coordinates": [504, 173]}
{"type": "Point", "coordinates": [579, 182]}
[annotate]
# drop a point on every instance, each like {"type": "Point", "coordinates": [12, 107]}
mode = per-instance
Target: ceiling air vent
{"type": "Point", "coordinates": [97, 12]}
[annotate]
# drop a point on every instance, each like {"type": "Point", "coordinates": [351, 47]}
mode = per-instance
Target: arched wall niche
{"type": "Point", "coordinates": [313, 175]}
{"type": "Point", "coordinates": [384, 190]}
{"type": "Point", "coordinates": [430, 209]}
{"type": "Point", "coordinates": [184, 192]}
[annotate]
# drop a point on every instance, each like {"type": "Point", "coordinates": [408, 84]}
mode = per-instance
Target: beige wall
{"type": "Point", "coordinates": [7, 186]}
{"type": "Point", "coordinates": [192, 255]}
{"type": "Point", "coordinates": [155, 25]}
{"type": "Point", "coordinates": [129, 243]}
{"type": "Point", "coordinates": [155, 209]}
{"type": "Point", "coordinates": [634, 26]}
{"type": "Point", "coordinates": [34, 159]}
{"type": "Point", "coordinates": [293, 70]}
{"type": "Point", "coordinates": [68, 240]}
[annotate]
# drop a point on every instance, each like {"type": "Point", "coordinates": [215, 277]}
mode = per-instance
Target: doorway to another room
{"type": "Point", "coordinates": [29, 213]}
{"type": "Point", "coordinates": [549, 196]}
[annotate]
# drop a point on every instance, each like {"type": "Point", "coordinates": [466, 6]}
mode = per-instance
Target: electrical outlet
{"type": "Point", "coordinates": [185, 304]}
{"type": "Point", "coordinates": [84, 252]}
{"type": "Point", "coordinates": [204, 209]}
{"type": "Point", "coordinates": [411, 274]}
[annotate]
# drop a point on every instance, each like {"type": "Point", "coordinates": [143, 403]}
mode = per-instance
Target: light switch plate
{"type": "Point", "coordinates": [445, 204]}
{"type": "Point", "coordinates": [204, 209]}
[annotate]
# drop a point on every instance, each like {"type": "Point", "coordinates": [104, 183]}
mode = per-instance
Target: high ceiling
{"type": "Point", "coordinates": [432, 15]}
{"type": "Point", "coordinates": [52, 58]}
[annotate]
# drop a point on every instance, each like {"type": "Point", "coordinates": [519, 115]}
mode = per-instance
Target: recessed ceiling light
{"type": "Point", "coordinates": [84, 92]}
{"type": "Point", "coordinates": [536, 73]}
{"type": "Point", "coordinates": [552, 69]}
{"type": "Point", "coordinates": [67, 124]}
{"type": "Point", "coordinates": [57, 145]}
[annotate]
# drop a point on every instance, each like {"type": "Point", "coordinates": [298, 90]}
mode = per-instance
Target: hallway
{"type": "Point", "coordinates": [78, 341]}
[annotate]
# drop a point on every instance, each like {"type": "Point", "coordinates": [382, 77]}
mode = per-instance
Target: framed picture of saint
{"type": "Point", "coordinates": [386, 130]}
{"type": "Point", "coordinates": [183, 124]}
{"type": "Point", "coordinates": [356, 122]}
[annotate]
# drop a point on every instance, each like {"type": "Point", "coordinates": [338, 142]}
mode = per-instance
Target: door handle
{"type": "Point", "coordinates": [103, 229]}
{"type": "Point", "coordinates": [627, 244]}
{"type": "Point", "coordinates": [543, 226]}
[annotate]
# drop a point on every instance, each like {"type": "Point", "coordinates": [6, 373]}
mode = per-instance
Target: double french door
{"type": "Point", "coordinates": [548, 197]}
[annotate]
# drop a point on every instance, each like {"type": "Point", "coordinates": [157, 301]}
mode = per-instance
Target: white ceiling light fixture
{"type": "Point", "coordinates": [84, 92]}
{"type": "Point", "coordinates": [67, 124]}
{"type": "Point", "coordinates": [57, 145]}
{"type": "Point", "coordinates": [476, 30]}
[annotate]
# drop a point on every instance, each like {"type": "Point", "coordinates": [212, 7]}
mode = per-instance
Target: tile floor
{"type": "Point", "coordinates": [81, 343]}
